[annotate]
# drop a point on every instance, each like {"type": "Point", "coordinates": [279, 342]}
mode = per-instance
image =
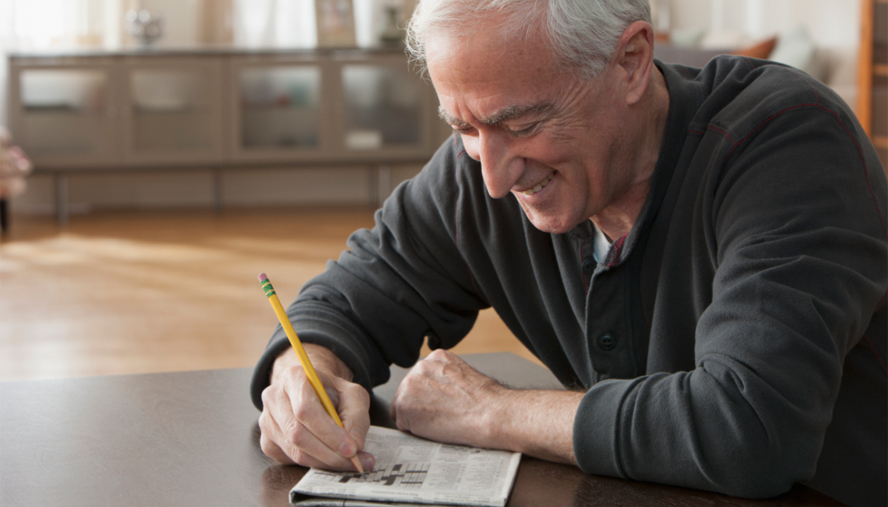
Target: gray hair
{"type": "Point", "coordinates": [582, 33]}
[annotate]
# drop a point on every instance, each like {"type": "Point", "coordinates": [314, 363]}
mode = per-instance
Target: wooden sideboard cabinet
{"type": "Point", "coordinates": [345, 106]}
{"type": "Point", "coordinates": [92, 112]}
{"type": "Point", "coordinates": [163, 109]}
{"type": "Point", "coordinates": [64, 111]}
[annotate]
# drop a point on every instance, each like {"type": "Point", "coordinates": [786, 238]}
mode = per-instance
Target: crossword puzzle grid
{"type": "Point", "coordinates": [409, 476]}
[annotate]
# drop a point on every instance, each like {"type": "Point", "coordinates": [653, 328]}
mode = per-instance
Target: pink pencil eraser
{"type": "Point", "coordinates": [262, 277]}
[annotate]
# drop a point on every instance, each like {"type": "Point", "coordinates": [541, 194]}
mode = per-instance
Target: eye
{"type": "Point", "coordinates": [526, 131]}
{"type": "Point", "coordinates": [463, 129]}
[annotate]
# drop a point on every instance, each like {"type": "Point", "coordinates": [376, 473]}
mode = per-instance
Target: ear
{"type": "Point", "coordinates": [634, 60]}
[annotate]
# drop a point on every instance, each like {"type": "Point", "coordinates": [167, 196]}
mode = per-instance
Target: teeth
{"type": "Point", "coordinates": [539, 186]}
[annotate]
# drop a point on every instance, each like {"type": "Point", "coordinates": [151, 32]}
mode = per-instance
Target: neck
{"type": "Point", "coordinates": [642, 154]}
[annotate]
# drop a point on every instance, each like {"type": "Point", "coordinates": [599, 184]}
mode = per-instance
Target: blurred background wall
{"type": "Point", "coordinates": [831, 27]}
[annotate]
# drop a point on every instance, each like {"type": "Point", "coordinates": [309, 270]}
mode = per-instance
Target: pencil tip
{"type": "Point", "coordinates": [262, 277]}
{"type": "Point", "coordinates": [357, 462]}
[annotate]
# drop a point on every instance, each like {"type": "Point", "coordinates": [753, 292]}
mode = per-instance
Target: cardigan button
{"type": "Point", "coordinates": [607, 341]}
{"type": "Point", "coordinates": [589, 266]}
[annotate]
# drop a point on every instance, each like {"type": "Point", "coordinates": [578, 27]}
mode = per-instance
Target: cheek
{"type": "Point", "coordinates": [555, 146]}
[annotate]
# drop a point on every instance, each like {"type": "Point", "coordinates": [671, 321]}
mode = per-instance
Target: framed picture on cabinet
{"type": "Point", "coordinates": [336, 23]}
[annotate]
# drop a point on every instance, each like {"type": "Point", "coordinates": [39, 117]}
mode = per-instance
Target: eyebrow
{"type": "Point", "coordinates": [505, 114]}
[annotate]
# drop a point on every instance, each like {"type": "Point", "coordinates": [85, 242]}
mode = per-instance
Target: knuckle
{"type": "Point", "coordinates": [272, 394]}
{"type": "Point", "coordinates": [421, 367]}
{"type": "Point", "coordinates": [263, 444]}
{"type": "Point", "coordinates": [438, 354]}
{"type": "Point", "coordinates": [267, 395]}
{"type": "Point", "coordinates": [295, 433]}
{"type": "Point", "coordinates": [302, 411]}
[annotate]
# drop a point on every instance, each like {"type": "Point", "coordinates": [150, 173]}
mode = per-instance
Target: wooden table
{"type": "Point", "coordinates": [191, 439]}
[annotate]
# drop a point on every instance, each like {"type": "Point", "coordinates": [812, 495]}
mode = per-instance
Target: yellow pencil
{"type": "Point", "coordinates": [303, 357]}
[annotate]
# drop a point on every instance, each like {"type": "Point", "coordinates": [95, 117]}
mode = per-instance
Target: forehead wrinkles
{"type": "Point", "coordinates": [484, 68]}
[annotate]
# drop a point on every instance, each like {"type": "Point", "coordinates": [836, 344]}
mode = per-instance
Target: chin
{"type": "Point", "coordinates": [552, 225]}
{"type": "Point", "coordinates": [555, 222]}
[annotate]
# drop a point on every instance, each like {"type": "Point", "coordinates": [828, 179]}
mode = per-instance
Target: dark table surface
{"type": "Point", "coordinates": [191, 439]}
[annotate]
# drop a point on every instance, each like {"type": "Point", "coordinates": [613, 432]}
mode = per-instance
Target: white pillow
{"type": "Point", "coordinates": [725, 40]}
{"type": "Point", "coordinates": [687, 38]}
{"type": "Point", "coordinates": [795, 49]}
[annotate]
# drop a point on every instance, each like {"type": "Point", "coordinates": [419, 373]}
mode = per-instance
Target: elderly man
{"type": "Point", "coordinates": [698, 255]}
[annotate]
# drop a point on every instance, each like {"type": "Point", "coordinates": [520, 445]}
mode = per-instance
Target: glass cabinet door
{"type": "Point", "coordinates": [279, 109]}
{"type": "Point", "coordinates": [383, 107]}
{"type": "Point", "coordinates": [174, 111]}
{"type": "Point", "coordinates": [64, 115]}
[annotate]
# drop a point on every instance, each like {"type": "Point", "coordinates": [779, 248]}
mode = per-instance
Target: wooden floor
{"type": "Point", "coordinates": [138, 292]}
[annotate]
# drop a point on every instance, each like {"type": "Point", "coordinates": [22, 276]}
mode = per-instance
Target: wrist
{"type": "Point", "coordinates": [494, 423]}
{"type": "Point", "coordinates": [322, 359]}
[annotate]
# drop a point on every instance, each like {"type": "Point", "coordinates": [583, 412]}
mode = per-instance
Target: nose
{"type": "Point", "coordinates": [500, 167]}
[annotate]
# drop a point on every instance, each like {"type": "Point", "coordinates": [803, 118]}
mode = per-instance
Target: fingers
{"type": "Point", "coordinates": [269, 447]}
{"type": "Point", "coordinates": [296, 428]}
{"type": "Point", "coordinates": [353, 405]}
{"type": "Point", "coordinates": [273, 451]}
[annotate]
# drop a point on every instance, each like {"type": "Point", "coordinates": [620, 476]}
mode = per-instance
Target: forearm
{"type": "Point", "coordinates": [536, 423]}
{"type": "Point", "coordinates": [446, 400]}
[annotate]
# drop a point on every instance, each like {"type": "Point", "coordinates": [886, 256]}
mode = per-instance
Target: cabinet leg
{"type": "Point", "coordinates": [385, 183]}
{"type": "Point", "coordinates": [373, 186]}
{"type": "Point", "coordinates": [4, 216]}
{"type": "Point", "coordinates": [61, 198]}
{"type": "Point", "coordinates": [217, 190]}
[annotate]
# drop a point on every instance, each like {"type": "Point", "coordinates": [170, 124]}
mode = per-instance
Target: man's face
{"type": "Point", "coordinates": [546, 137]}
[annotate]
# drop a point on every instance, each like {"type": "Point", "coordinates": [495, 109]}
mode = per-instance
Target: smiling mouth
{"type": "Point", "coordinates": [539, 186]}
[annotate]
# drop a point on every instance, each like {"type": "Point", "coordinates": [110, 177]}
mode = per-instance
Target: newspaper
{"type": "Point", "coordinates": [411, 469]}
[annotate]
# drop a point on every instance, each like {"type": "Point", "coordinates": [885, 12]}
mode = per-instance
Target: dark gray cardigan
{"type": "Point", "coordinates": [734, 341]}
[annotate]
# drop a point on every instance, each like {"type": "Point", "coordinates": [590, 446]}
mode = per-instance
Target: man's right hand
{"type": "Point", "coordinates": [296, 428]}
